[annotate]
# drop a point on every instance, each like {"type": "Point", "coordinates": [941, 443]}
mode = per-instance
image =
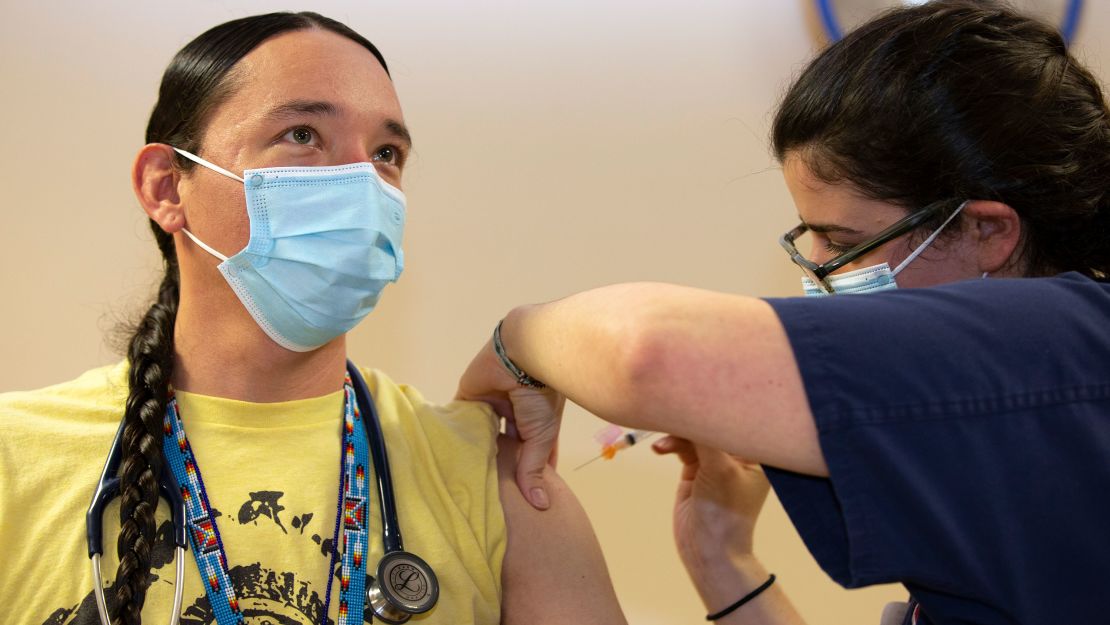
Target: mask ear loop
{"type": "Point", "coordinates": [925, 245]}
{"type": "Point", "coordinates": [219, 170]}
{"type": "Point", "coordinates": [216, 168]}
{"type": "Point", "coordinates": [204, 245]}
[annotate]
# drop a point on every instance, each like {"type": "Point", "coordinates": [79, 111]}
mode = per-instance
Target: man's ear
{"type": "Point", "coordinates": [997, 234]}
{"type": "Point", "coordinates": [154, 180]}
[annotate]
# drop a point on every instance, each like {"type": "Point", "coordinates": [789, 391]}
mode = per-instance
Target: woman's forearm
{"type": "Point", "coordinates": [711, 367]}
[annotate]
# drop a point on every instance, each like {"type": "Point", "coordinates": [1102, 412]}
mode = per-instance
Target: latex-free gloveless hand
{"type": "Point", "coordinates": [532, 415]}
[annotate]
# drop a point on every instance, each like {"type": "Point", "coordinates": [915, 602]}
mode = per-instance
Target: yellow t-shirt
{"type": "Point", "coordinates": [272, 473]}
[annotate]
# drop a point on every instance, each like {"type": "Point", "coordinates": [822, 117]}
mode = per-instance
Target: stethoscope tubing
{"type": "Point", "coordinates": [387, 502]}
{"type": "Point", "coordinates": [178, 588]}
{"type": "Point", "coordinates": [108, 488]}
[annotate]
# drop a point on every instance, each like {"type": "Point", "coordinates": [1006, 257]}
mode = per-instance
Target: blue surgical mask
{"type": "Point", "coordinates": [324, 242]}
{"type": "Point", "coordinates": [876, 277]}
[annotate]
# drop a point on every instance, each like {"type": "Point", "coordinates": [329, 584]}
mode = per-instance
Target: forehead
{"type": "Point", "coordinates": [310, 65]}
{"type": "Point", "coordinates": [840, 203]}
{"type": "Point", "coordinates": [808, 190]}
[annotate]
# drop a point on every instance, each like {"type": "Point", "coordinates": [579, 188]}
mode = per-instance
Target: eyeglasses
{"type": "Point", "coordinates": [819, 272]}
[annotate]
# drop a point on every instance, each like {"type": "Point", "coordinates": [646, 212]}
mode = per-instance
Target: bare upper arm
{"type": "Point", "coordinates": [553, 570]}
{"type": "Point", "coordinates": [719, 369]}
{"type": "Point", "coordinates": [711, 367]}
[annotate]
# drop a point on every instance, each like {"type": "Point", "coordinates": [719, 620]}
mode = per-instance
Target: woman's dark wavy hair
{"type": "Point", "coordinates": [197, 80]}
{"type": "Point", "coordinates": [962, 99]}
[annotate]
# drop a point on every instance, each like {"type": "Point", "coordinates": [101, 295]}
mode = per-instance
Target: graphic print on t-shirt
{"type": "Point", "coordinates": [265, 595]}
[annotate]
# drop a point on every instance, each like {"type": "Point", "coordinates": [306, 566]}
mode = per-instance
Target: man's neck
{"type": "Point", "coordinates": [225, 354]}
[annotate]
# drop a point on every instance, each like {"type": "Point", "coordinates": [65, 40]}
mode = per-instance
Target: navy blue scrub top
{"type": "Point", "coordinates": [967, 433]}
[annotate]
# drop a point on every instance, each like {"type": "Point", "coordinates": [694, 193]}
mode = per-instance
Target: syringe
{"type": "Point", "coordinates": [614, 439]}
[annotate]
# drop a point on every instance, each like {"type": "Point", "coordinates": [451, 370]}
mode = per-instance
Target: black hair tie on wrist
{"type": "Point", "coordinates": [746, 598]}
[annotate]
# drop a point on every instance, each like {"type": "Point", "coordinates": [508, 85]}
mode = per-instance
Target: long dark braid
{"type": "Point", "coordinates": [198, 79]}
{"type": "Point", "coordinates": [150, 356]}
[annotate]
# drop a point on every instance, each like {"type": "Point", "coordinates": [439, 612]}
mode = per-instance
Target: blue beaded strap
{"type": "Point", "coordinates": [351, 516]}
{"type": "Point", "coordinates": [356, 503]}
{"type": "Point", "coordinates": [204, 536]}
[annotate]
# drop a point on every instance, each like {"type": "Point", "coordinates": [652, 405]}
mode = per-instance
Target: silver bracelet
{"type": "Point", "coordinates": [522, 378]}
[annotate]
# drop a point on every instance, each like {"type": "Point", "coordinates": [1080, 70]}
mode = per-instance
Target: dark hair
{"type": "Point", "coordinates": [198, 79]}
{"type": "Point", "coordinates": [960, 99]}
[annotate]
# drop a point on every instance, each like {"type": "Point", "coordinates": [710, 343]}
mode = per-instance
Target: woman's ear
{"type": "Point", "coordinates": [154, 180]}
{"type": "Point", "coordinates": [996, 233]}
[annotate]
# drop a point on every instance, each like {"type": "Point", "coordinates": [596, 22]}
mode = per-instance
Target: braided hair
{"type": "Point", "coordinates": [198, 79]}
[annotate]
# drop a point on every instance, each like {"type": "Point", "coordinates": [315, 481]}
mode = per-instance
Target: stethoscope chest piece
{"type": "Point", "coordinates": [405, 585]}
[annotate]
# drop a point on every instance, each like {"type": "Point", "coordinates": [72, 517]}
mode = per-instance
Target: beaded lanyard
{"type": "Point", "coordinates": [351, 517]}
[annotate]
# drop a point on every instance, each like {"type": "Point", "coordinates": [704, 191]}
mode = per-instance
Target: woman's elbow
{"type": "Point", "coordinates": [645, 366]}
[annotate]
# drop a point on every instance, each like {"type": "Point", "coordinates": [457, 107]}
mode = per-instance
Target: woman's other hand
{"type": "Point", "coordinates": [718, 501]}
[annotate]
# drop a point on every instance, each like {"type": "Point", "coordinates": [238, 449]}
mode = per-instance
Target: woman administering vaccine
{"type": "Point", "coordinates": [272, 176]}
{"type": "Point", "coordinates": [954, 438]}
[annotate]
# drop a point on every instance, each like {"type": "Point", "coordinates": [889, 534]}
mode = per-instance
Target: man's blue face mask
{"type": "Point", "coordinates": [324, 242]}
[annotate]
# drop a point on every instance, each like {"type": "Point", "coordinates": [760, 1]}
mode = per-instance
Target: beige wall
{"type": "Point", "coordinates": [559, 146]}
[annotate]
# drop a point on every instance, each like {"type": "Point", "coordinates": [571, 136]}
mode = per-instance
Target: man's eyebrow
{"type": "Point", "coordinates": [397, 129]}
{"type": "Point", "coordinates": [295, 108]}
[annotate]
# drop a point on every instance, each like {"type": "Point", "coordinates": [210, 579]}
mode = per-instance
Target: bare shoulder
{"type": "Point", "coordinates": [553, 569]}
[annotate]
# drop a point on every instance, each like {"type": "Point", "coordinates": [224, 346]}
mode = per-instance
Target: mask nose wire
{"type": "Point", "coordinates": [219, 170]}
{"type": "Point", "coordinates": [925, 245]}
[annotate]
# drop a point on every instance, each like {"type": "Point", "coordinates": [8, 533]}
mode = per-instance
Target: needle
{"type": "Point", "coordinates": [597, 457]}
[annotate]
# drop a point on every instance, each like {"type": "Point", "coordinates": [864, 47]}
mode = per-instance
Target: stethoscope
{"type": "Point", "coordinates": [410, 585]}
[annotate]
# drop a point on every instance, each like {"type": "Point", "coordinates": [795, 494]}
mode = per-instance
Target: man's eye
{"type": "Point", "coordinates": [302, 135]}
{"type": "Point", "coordinates": [387, 154]}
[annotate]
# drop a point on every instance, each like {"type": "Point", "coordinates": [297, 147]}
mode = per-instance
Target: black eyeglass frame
{"type": "Point", "coordinates": [819, 272]}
